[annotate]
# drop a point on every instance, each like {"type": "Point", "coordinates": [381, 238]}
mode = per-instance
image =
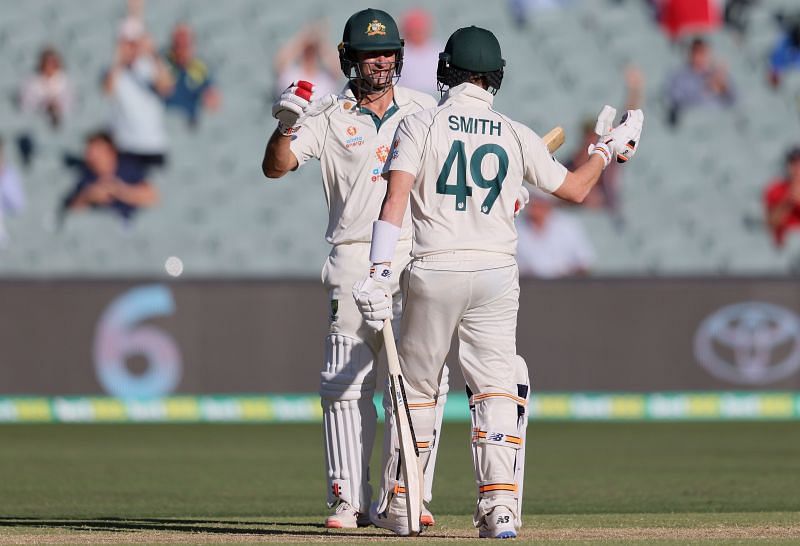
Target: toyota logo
{"type": "Point", "coordinates": [751, 343]}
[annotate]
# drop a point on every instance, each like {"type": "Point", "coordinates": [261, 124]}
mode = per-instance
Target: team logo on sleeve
{"type": "Point", "coordinates": [376, 28]}
{"type": "Point", "coordinates": [395, 144]}
{"type": "Point", "coordinates": [382, 153]}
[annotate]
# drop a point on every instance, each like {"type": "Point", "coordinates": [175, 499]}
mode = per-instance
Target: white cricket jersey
{"type": "Point", "coordinates": [469, 162]}
{"type": "Point", "coordinates": [352, 145]}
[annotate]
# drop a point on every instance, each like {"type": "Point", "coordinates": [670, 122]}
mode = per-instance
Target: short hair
{"type": "Point", "coordinates": [793, 154]}
{"type": "Point", "coordinates": [48, 51]}
{"type": "Point", "coordinates": [697, 43]}
{"type": "Point", "coordinates": [104, 136]}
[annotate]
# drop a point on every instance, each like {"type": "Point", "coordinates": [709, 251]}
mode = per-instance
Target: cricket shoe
{"type": "Point", "coordinates": [499, 523]}
{"type": "Point", "coordinates": [346, 517]}
{"type": "Point", "coordinates": [426, 518]}
{"type": "Point", "coordinates": [395, 518]}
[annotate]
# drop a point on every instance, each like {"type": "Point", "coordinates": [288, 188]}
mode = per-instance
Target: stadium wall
{"type": "Point", "coordinates": [194, 341]}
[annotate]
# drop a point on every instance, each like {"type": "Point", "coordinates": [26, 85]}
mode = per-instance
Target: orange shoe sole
{"type": "Point", "coordinates": [427, 520]}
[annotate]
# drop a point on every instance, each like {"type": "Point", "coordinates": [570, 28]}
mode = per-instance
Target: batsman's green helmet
{"type": "Point", "coordinates": [471, 51]}
{"type": "Point", "coordinates": [369, 30]}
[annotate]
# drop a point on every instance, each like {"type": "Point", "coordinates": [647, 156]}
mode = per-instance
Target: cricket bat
{"type": "Point", "coordinates": [409, 454]}
{"type": "Point", "coordinates": [554, 138]}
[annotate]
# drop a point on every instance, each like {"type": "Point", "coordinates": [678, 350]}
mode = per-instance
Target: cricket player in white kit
{"type": "Point", "coordinates": [463, 164]}
{"type": "Point", "coordinates": [351, 134]}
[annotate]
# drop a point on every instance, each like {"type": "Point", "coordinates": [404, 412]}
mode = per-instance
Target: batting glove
{"type": "Point", "coordinates": [522, 200]}
{"type": "Point", "coordinates": [373, 297]}
{"type": "Point", "coordinates": [620, 142]}
{"type": "Point", "coordinates": [291, 105]}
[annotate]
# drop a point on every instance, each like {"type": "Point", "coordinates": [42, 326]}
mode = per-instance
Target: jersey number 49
{"type": "Point", "coordinates": [460, 189]}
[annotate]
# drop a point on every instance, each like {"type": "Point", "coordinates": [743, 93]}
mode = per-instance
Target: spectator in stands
{"type": "Point", "coordinates": [551, 243]}
{"type": "Point", "coordinates": [12, 196]}
{"type": "Point", "coordinates": [681, 18]}
{"type": "Point", "coordinates": [194, 87]}
{"type": "Point", "coordinates": [786, 53]}
{"type": "Point", "coordinates": [307, 56]}
{"type": "Point", "coordinates": [605, 194]}
{"type": "Point", "coordinates": [420, 54]}
{"type": "Point", "coordinates": [701, 83]}
{"type": "Point", "coordinates": [48, 90]}
{"type": "Point", "coordinates": [109, 180]}
{"type": "Point", "coordinates": [136, 83]}
{"type": "Point", "coordinates": [782, 199]}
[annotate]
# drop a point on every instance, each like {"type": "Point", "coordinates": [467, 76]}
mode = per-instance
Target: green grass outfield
{"type": "Point", "coordinates": [639, 483]}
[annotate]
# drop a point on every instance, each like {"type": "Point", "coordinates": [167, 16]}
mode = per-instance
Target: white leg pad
{"type": "Point", "coordinates": [499, 422]}
{"type": "Point", "coordinates": [349, 419]}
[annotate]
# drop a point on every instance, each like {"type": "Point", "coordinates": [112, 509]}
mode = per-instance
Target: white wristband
{"type": "Point", "coordinates": [384, 241]}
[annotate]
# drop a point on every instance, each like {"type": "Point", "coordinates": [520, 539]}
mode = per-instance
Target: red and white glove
{"type": "Point", "coordinates": [522, 199]}
{"type": "Point", "coordinates": [292, 104]}
{"type": "Point", "coordinates": [373, 296]}
{"type": "Point", "coordinates": [620, 142]}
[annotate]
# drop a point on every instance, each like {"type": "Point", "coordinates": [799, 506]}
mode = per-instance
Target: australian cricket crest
{"type": "Point", "coordinates": [376, 28]}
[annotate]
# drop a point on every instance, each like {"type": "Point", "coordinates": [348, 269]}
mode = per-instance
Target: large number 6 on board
{"type": "Point", "coordinates": [460, 189]}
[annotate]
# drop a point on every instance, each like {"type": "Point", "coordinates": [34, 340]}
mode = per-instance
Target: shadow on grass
{"type": "Point", "coordinates": [116, 524]}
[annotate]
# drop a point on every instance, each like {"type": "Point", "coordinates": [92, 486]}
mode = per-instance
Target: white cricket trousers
{"type": "Point", "coordinates": [476, 295]}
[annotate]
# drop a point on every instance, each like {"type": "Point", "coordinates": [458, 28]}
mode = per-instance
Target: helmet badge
{"type": "Point", "coordinates": [376, 28]}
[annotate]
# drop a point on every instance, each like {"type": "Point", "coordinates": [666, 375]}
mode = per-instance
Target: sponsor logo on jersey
{"type": "Point", "coordinates": [354, 138]}
{"type": "Point", "coordinates": [376, 28]}
{"type": "Point", "coordinates": [395, 151]}
{"type": "Point", "coordinates": [382, 153]}
{"type": "Point", "coordinates": [376, 174]}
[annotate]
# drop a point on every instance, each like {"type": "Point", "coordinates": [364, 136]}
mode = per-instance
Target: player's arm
{"type": "Point", "coordinates": [395, 202]}
{"type": "Point", "coordinates": [578, 183]}
{"type": "Point", "coordinates": [293, 103]}
{"type": "Point", "coordinates": [278, 156]}
{"type": "Point", "coordinates": [372, 296]}
{"type": "Point", "coordinates": [619, 143]}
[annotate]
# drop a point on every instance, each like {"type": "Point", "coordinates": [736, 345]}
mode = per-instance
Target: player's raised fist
{"type": "Point", "coordinates": [619, 142]}
{"type": "Point", "coordinates": [292, 103]}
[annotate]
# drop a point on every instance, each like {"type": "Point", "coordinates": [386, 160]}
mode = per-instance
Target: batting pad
{"type": "Point", "coordinates": [499, 423]}
{"type": "Point", "coordinates": [349, 419]}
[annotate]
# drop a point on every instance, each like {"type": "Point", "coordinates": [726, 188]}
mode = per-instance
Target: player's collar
{"type": "Point", "coordinates": [469, 91]}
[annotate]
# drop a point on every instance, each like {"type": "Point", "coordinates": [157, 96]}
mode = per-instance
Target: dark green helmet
{"type": "Point", "coordinates": [470, 52]}
{"type": "Point", "coordinates": [369, 30]}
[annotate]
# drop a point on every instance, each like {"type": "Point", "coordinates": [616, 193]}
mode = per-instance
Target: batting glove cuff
{"type": "Point", "coordinates": [602, 149]}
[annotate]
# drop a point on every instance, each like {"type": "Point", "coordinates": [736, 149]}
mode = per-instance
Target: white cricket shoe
{"type": "Point", "coordinates": [346, 517]}
{"type": "Point", "coordinates": [499, 523]}
{"type": "Point", "coordinates": [395, 518]}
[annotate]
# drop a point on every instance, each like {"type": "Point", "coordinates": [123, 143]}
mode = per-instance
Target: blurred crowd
{"type": "Point", "coordinates": [146, 80]}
